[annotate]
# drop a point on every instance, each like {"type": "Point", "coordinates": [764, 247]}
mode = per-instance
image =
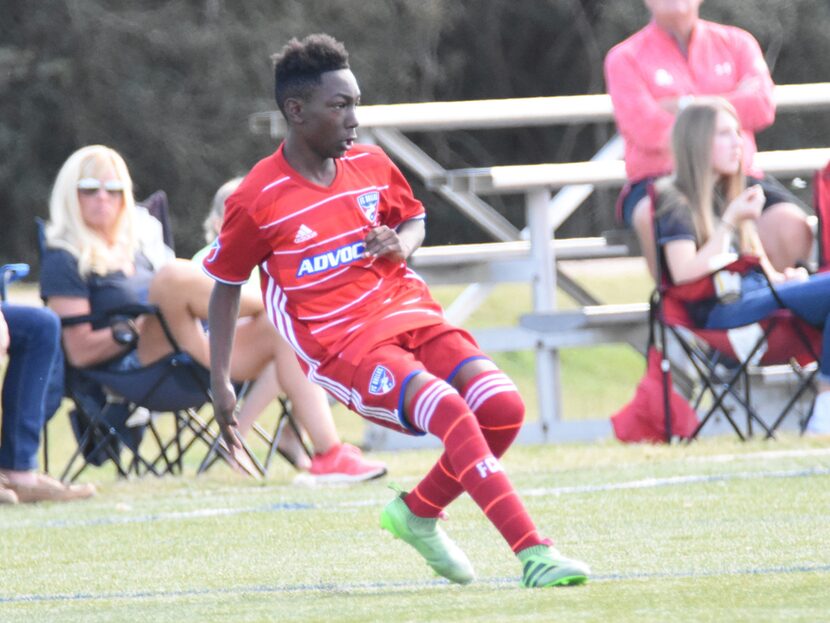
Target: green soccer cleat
{"type": "Point", "coordinates": [423, 533]}
{"type": "Point", "coordinates": [544, 566]}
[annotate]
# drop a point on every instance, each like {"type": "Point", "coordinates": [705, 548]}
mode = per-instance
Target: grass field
{"type": "Point", "coordinates": [714, 531]}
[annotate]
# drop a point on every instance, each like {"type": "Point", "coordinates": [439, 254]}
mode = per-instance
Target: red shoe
{"type": "Point", "coordinates": [344, 463]}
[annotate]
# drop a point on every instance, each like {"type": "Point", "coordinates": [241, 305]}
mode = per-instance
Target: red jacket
{"type": "Point", "coordinates": [649, 66]}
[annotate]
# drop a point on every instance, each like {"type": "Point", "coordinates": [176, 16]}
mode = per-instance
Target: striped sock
{"type": "Point", "coordinates": [438, 409]}
{"type": "Point", "coordinates": [497, 405]}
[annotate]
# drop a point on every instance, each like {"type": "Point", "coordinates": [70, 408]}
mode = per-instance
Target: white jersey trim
{"type": "Point", "coordinates": [276, 182]}
{"type": "Point", "coordinates": [220, 280]}
{"type": "Point", "coordinates": [275, 305]}
{"type": "Point", "coordinates": [318, 243]}
{"type": "Point", "coordinates": [344, 307]}
{"type": "Point", "coordinates": [322, 202]}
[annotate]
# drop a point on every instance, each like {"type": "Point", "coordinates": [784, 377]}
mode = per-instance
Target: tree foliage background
{"type": "Point", "coordinates": [171, 83]}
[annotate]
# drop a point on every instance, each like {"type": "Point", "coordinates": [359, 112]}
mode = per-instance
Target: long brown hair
{"type": "Point", "coordinates": [695, 186]}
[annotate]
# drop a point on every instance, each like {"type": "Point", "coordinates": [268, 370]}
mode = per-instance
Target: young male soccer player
{"type": "Point", "coordinates": [331, 223]}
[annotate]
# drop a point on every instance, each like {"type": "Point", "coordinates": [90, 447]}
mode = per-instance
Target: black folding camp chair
{"type": "Point", "coordinates": [285, 419]}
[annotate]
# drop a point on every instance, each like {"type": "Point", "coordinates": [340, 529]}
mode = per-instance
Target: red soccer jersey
{"type": "Point", "coordinates": [323, 295]}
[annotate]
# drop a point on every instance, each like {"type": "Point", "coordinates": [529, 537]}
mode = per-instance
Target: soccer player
{"type": "Point", "coordinates": [330, 224]}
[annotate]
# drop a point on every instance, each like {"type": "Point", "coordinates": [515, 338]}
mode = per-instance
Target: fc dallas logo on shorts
{"type": "Point", "coordinates": [381, 382]}
{"type": "Point", "coordinates": [368, 202]}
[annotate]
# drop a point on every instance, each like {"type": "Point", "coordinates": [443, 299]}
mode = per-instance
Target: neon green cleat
{"type": "Point", "coordinates": [424, 534]}
{"type": "Point", "coordinates": [544, 566]}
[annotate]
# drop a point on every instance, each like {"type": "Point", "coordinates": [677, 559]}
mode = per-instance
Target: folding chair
{"type": "Point", "coordinates": [10, 273]}
{"type": "Point", "coordinates": [106, 400]}
{"type": "Point", "coordinates": [271, 440]}
{"type": "Point", "coordinates": [175, 384]}
{"type": "Point", "coordinates": [721, 366]}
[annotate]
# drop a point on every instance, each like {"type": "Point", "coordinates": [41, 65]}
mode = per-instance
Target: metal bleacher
{"type": "Point", "coordinates": [552, 192]}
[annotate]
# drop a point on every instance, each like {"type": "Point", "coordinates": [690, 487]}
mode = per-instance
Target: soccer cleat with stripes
{"type": "Point", "coordinates": [544, 566]}
{"type": "Point", "coordinates": [424, 534]}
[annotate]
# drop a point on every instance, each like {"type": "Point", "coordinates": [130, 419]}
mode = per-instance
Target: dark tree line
{"type": "Point", "coordinates": [171, 84]}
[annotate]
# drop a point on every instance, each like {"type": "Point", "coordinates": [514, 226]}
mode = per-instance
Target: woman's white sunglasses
{"type": "Point", "coordinates": [90, 186]}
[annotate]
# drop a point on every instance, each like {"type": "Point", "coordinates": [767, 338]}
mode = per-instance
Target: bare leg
{"type": "Point", "coordinates": [644, 228]}
{"type": "Point", "coordinates": [309, 402]}
{"type": "Point", "coordinates": [182, 292]}
{"type": "Point", "coordinates": [262, 392]}
{"type": "Point", "coordinates": [785, 235]}
{"type": "Point", "coordinates": [265, 389]}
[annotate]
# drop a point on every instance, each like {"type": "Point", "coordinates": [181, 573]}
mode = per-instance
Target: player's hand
{"type": "Point", "coordinates": [224, 410]}
{"type": "Point", "coordinates": [384, 242]}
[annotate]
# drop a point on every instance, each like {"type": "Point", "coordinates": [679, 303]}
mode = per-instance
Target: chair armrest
{"type": "Point", "coordinates": [132, 310]}
{"type": "Point", "coordinates": [10, 273]}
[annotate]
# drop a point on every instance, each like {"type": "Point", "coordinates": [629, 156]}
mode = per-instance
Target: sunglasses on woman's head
{"type": "Point", "coordinates": [90, 186]}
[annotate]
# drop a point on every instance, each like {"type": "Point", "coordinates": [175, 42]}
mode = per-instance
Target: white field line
{"type": "Point", "coordinates": [352, 588]}
{"type": "Point", "coordinates": [643, 483]}
{"type": "Point", "coordinates": [767, 454]}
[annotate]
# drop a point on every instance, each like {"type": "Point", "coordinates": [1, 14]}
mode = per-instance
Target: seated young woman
{"type": "Point", "coordinates": [705, 210]}
{"type": "Point", "coordinates": [103, 252]}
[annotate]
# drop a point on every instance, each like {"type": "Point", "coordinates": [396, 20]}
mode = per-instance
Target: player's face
{"type": "Point", "coordinates": [727, 146]}
{"type": "Point", "coordinates": [101, 198]}
{"type": "Point", "coordinates": [330, 114]}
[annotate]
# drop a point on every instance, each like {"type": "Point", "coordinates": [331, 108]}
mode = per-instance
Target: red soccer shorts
{"type": "Point", "coordinates": [378, 382]}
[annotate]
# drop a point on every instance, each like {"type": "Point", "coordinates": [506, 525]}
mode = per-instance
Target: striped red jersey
{"type": "Point", "coordinates": [323, 295]}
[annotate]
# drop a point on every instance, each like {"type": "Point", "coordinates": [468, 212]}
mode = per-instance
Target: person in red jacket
{"type": "Point", "coordinates": [331, 224]}
{"type": "Point", "coordinates": [663, 67]}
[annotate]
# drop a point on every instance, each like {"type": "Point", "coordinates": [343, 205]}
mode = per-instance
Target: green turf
{"type": "Point", "coordinates": [716, 531]}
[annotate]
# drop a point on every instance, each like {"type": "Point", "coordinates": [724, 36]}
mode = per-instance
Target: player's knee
{"type": "Point", "coordinates": [436, 406]}
{"type": "Point", "coordinates": [495, 400]}
{"type": "Point", "coordinates": [786, 234]}
{"type": "Point", "coordinates": [172, 279]}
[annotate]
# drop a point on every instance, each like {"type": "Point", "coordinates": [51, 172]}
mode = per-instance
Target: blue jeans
{"type": "Point", "coordinates": [34, 353]}
{"type": "Point", "coordinates": [809, 300]}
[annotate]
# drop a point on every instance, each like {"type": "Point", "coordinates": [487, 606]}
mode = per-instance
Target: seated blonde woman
{"type": "Point", "coordinates": [102, 254]}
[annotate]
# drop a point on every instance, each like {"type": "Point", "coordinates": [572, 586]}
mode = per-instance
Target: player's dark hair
{"type": "Point", "coordinates": [300, 64]}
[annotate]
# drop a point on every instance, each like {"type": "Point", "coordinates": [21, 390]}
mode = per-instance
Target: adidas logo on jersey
{"type": "Point", "coordinates": [304, 233]}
